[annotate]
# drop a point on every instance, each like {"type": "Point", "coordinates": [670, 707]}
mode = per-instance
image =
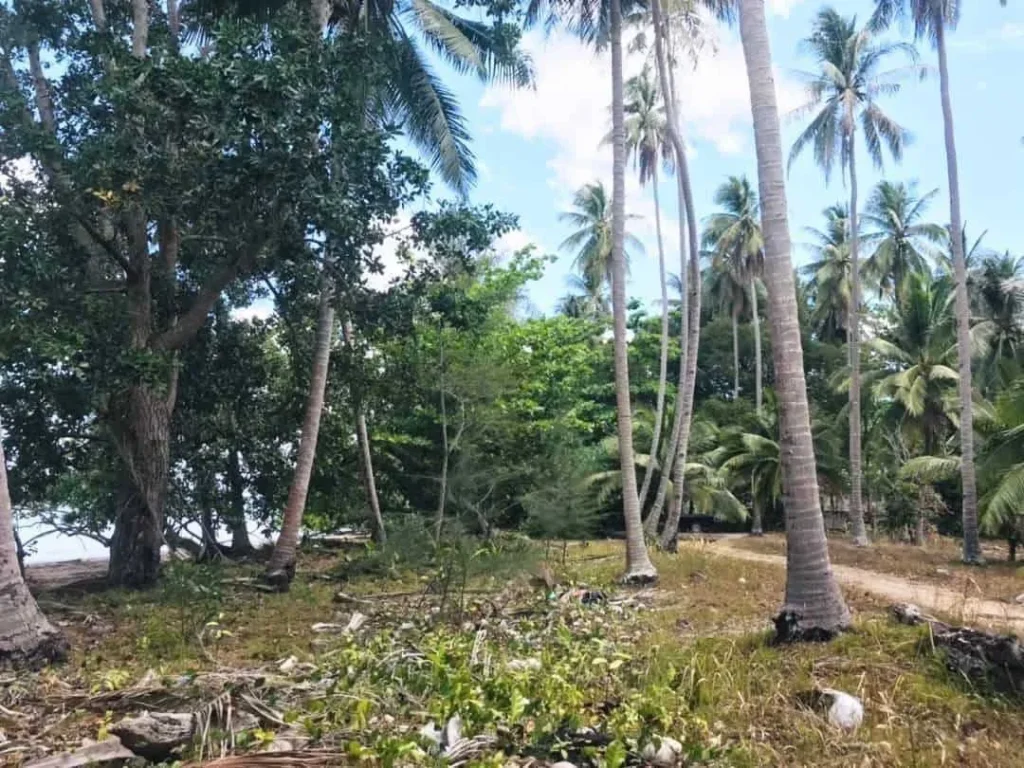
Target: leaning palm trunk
{"type": "Point", "coordinates": [860, 534]}
{"type": "Point", "coordinates": [281, 568]}
{"type": "Point", "coordinates": [659, 411]}
{"type": "Point", "coordinates": [26, 637]}
{"type": "Point", "coordinates": [758, 371]}
{"type": "Point", "coordinates": [366, 457]}
{"type": "Point", "coordinates": [972, 544]}
{"type": "Point", "coordinates": [691, 323]}
{"type": "Point", "coordinates": [638, 564]}
{"type": "Point", "coordinates": [814, 607]}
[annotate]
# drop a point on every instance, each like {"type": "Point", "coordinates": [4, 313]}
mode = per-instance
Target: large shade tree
{"type": "Point", "coordinates": [814, 606]}
{"type": "Point", "coordinates": [843, 95]}
{"type": "Point", "coordinates": [932, 20]}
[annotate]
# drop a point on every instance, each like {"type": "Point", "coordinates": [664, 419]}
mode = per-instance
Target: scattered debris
{"type": "Point", "coordinates": [109, 753]}
{"type": "Point", "coordinates": [665, 752]}
{"type": "Point", "coordinates": [452, 732]}
{"type": "Point", "coordinates": [531, 664]}
{"type": "Point", "coordinates": [942, 571]}
{"type": "Point", "coordinates": [155, 735]}
{"type": "Point", "coordinates": [431, 733]}
{"type": "Point", "coordinates": [288, 665]}
{"type": "Point", "coordinates": [845, 712]}
{"type": "Point", "coordinates": [357, 621]}
{"type": "Point", "coordinates": [1019, 599]}
{"type": "Point", "coordinates": [341, 597]}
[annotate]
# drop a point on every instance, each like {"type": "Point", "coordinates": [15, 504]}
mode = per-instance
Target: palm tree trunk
{"type": "Point", "coordinates": [735, 351]}
{"type": "Point", "coordinates": [758, 369]}
{"type": "Point", "coordinates": [814, 607]}
{"type": "Point", "coordinates": [281, 568]}
{"type": "Point", "coordinates": [860, 534]}
{"type": "Point", "coordinates": [366, 457]}
{"type": "Point", "coordinates": [638, 565]}
{"type": "Point", "coordinates": [972, 543]}
{"type": "Point", "coordinates": [757, 528]}
{"type": "Point", "coordinates": [26, 637]}
{"type": "Point", "coordinates": [442, 494]}
{"type": "Point", "coordinates": [659, 411]}
{"type": "Point", "coordinates": [689, 271]}
{"type": "Point", "coordinates": [240, 543]}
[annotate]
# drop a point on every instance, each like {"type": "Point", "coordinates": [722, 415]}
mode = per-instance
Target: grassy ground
{"type": "Point", "coordinates": [936, 563]}
{"type": "Point", "coordinates": [687, 659]}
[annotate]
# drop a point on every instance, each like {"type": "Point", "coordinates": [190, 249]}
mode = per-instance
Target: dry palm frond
{"type": "Point", "coordinates": [311, 758]}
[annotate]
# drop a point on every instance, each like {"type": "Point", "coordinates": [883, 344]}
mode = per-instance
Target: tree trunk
{"type": "Point", "coordinates": [366, 457]}
{"type": "Point", "coordinates": [240, 544]}
{"type": "Point", "coordinates": [757, 528]}
{"type": "Point", "coordinates": [281, 568]}
{"type": "Point", "coordinates": [814, 607]}
{"type": "Point", "coordinates": [638, 564]}
{"type": "Point", "coordinates": [659, 411]}
{"type": "Point", "coordinates": [142, 431]}
{"type": "Point", "coordinates": [860, 534]}
{"type": "Point", "coordinates": [26, 637]}
{"type": "Point", "coordinates": [758, 369]}
{"type": "Point", "coordinates": [692, 324]}
{"type": "Point", "coordinates": [1012, 555]}
{"type": "Point", "coordinates": [210, 547]}
{"type": "Point", "coordinates": [442, 495]}
{"type": "Point", "coordinates": [735, 352]}
{"type": "Point", "coordinates": [972, 543]}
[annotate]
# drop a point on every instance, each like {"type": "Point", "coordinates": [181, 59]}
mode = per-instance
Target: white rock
{"type": "Point", "coordinates": [452, 733]}
{"type": "Point", "coordinates": [531, 664]}
{"type": "Point", "coordinates": [1019, 599]}
{"type": "Point", "coordinates": [845, 712]}
{"type": "Point", "coordinates": [667, 752]}
{"type": "Point", "coordinates": [155, 735]}
{"type": "Point", "coordinates": [742, 580]}
{"type": "Point", "coordinates": [288, 665]}
{"type": "Point", "coordinates": [563, 764]}
{"type": "Point", "coordinates": [357, 620]}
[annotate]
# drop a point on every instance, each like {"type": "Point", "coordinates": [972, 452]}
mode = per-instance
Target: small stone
{"type": "Point", "coordinates": [942, 571]}
{"type": "Point", "coordinates": [845, 712]}
{"type": "Point", "coordinates": [907, 613]}
{"type": "Point", "coordinates": [563, 764]}
{"type": "Point", "coordinates": [357, 621]}
{"type": "Point", "coordinates": [1019, 599]}
{"type": "Point", "coordinates": [155, 735]}
{"type": "Point", "coordinates": [667, 752]}
{"type": "Point", "coordinates": [288, 665]}
{"type": "Point", "coordinates": [280, 745]}
{"type": "Point", "coordinates": [742, 580]}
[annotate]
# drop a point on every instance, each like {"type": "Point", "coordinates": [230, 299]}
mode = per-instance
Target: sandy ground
{"type": "Point", "coordinates": [992, 614]}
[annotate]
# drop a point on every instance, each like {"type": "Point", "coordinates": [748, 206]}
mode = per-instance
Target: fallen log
{"type": "Point", "coordinates": [985, 660]}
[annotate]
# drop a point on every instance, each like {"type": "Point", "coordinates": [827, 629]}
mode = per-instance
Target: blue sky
{"type": "Point", "coordinates": [536, 147]}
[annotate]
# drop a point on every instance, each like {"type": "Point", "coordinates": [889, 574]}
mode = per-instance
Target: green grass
{"type": "Point", "coordinates": [689, 659]}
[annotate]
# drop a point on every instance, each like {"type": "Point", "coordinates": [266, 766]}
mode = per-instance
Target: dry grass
{"type": "Point", "coordinates": [705, 639]}
{"type": "Point", "coordinates": [937, 563]}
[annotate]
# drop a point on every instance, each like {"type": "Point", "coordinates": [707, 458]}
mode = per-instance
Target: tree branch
{"type": "Point", "coordinates": [189, 324]}
{"type": "Point", "coordinates": [99, 15]}
{"type": "Point", "coordinates": [140, 28]}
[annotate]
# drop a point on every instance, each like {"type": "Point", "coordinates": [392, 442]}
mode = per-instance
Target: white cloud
{"type": "Point", "coordinates": [514, 241]}
{"type": "Point", "coordinates": [782, 7]}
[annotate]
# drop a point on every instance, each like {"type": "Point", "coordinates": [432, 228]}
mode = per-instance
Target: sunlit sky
{"type": "Point", "coordinates": [535, 147]}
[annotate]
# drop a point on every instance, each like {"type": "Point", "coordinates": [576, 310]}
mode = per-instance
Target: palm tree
{"type": "Point", "coordinates": [830, 284]}
{"type": "Point", "coordinates": [901, 239]}
{"type": "Point", "coordinates": [932, 19]}
{"type": "Point", "coordinates": [725, 290]}
{"type": "Point", "coordinates": [592, 240]}
{"type": "Point", "coordinates": [587, 298]}
{"type": "Point", "coordinates": [646, 142]}
{"type": "Point", "coordinates": [997, 298]}
{"type": "Point", "coordinates": [734, 233]}
{"type": "Point", "coordinates": [814, 606]}
{"type": "Point", "coordinates": [26, 636]}
{"type": "Point", "coordinates": [842, 95]}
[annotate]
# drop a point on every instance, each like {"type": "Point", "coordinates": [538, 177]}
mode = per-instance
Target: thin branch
{"type": "Point", "coordinates": [44, 101]}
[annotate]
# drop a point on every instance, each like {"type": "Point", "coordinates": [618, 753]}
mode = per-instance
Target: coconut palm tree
{"type": "Point", "coordinates": [586, 299]}
{"type": "Point", "coordinates": [592, 239]}
{"type": "Point", "coordinates": [814, 606]}
{"type": "Point", "coordinates": [734, 234]}
{"type": "Point", "coordinates": [829, 281]}
{"type": "Point", "coordinates": [932, 19]}
{"type": "Point", "coordinates": [997, 299]}
{"type": "Point", "coordinates": [26, 636]}
{"type": "Point", "coordinates": [646, 143]}
{"type": "Point", "coordinates": [902, 241]}
{"type": "Point", "coordinates": [842, 95]}
{"type": "Point", "coordinates": [725, 290]}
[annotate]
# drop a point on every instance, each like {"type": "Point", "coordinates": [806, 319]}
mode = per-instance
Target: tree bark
{"type": "Point", "coordinates": [757, 528]}
{"type": "Point", "coordinates": [281, 568]}
{"type": "Point", "coordinates": [735, 352]}
{"type": "Point", "coordinates": [366, 457]}
{"type": "Point", "coordinates": [240, 543]}
{"type": "Point", "coordinates": [638, 564]}
{"type": "Point", "coordinates": [659, 411]}
{"type": "Point", "coordinates": [442, 495]}
{"type": "Point", "coordinates": [972, 542]}
{"type": "Point", "coordinates": [141, 424]}
{"type": "Point", "coordinates": [758, 368]}
{"type": "Point", "coordinates": [140, 28]}
{"type": "Point", "coordinates": [26, 637]}
{"type": "Point", "coordinates": [814, 607]}
{"type": "Point", "coordinates": [860, 534]}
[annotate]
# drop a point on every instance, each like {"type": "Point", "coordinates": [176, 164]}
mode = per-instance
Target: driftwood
{"type": "Point", "coordinates": [985, 660]}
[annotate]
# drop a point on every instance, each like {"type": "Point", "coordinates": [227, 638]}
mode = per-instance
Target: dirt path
{"type": "Point", "coordinates": [930, 598]}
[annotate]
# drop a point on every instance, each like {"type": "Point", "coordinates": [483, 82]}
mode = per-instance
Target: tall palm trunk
{"type": "Point", "coordinates": [758, 368]}
{"type": "Point", "coordinates": [26, 637]}
{"type": "Point", "coordinates": [366, 457]}
{"type": "Point", "coordinates": [860, 534]}
{"type": "Point", "coordinates": [659, 411]}
{"type": "Point", "coordinates": [735, 351]}
{"type": "Point", "coordinates": [281, 568]}
{"type": "Point", "coordinates": [814, 607]}
{"type": "Point", "coordinates": [638, 564]}
{"type": "Point", "coordinates": [691, 325]}
{"type": "Point", "coordinates": [972, 544]}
